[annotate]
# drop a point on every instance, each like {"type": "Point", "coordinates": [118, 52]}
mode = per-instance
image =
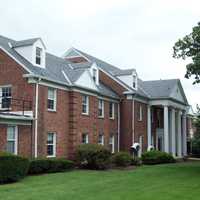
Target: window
{"type": "Point", "coordinates": [85, 104]}
{"type": "Point", "coordinates": [51, 99]}
{"type": "Point", "coordinates": [5, 97]}
{"type": "Point", "coordinates": [94, 75]}
{"type": "Point", "coordinates": [101, 139]}
{"type": "Point", "coordinates": [85, 138]}
{"type": "Point", "coordinates": [134, 81]}
{"type": "Point", "coordinates": [11, 146]}
{"type": "Point", "coordinates": [140, 113]}
{"type": "Point", "coordinates": [51, 145]}
{"type": "Point", "coordinates": [38, 56]}
{"type": "Point", "coordinates": [111, 110]}
{"type": "Point", "coordinates": [101, 108]}
{"type": "Point", "coordinates": [112, 143]}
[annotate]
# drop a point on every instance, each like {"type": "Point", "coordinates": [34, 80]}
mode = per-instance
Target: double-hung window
{"type": "Point", "coordinates": [5, 97]}
{"type": "Point", "coordinates": [100, 108]}
{"type": "Point", "coordinates": [38, 56]}
{"type": "Point", "coordinates": [85, 138]}
{"type": "Point", "coordinates": [112, 143]}
{"type": "Point", "coordinates": [111, 110]}
{"type": "Point", "coordinates": [12, 136]}
{"type": "Point", "coordinates": [85, 104]}
{"type": "Point", "coordinates": [51, 145]}
{"type": "Point", "coordinates": [51, 104]}
{"type": "Point", "coordinates": [140, 113]}
{"type": "Point", "coordinates": [101, 139]}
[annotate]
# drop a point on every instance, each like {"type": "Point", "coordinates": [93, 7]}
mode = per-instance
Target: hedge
{"type": "Point", "coordinates": [12, 167]}
{"type": "Point", "coordinates": [122, 159]}
{"type": "Point", "coordinates": [45, 165]}
{"type": "Point", "coordinates": [157, 157]}
{"type": "Point", "coordinates": [93, 156]}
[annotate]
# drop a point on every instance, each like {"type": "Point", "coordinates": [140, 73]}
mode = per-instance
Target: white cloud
{"type": "Point", "coordinates": [127, 33]}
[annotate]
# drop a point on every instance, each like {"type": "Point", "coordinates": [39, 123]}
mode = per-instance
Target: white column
{"type": "Point", "coordinates": [173, 135]}
{"type": "Point", "coordinates": [166, 130]}
{"type": "Point", "coordinates": [184, 135]}
{"type": "Point", "coordinates": [149, 125]}
{"type": "Point", "coordinates": [179, 138]}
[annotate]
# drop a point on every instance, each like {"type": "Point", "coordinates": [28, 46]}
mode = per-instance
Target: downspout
{"type": "Point", "coordinates": [118, 127]}
{"type": "Point", "coordinates": [133, 122]}
{"type": "Point", "coordinates": [36, 119]}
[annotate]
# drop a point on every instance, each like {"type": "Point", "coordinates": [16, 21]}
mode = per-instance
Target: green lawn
{"type": "Point", "coordinates": [161, 182]}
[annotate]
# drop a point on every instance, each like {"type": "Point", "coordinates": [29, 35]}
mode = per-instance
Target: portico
{"type": "Point", "coordinates": [167, 125]}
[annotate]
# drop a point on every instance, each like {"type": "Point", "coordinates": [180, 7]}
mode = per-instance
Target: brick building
{"type": "Point", "coordinates": [49, 105]}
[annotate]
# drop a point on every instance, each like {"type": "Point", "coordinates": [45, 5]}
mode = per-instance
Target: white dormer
{"type": "Point", "coordinates": [130, 79]}
{"type": "Point", "coordinates": [95, 73]}
{"type": "Point", "coordinates": [33, 50]}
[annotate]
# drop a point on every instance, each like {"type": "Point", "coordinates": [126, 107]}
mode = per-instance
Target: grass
{"type": "Point", "coordinates": [161, 182]}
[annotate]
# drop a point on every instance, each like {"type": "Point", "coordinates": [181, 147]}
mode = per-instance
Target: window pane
{"type": "Point", "coordinates": [50, 138]}
{"type": "Point", "coordinates": [50, 104]}
{"type": "Point", "coordinates": [11, 133]}
{"type": "Point", "coordinates": [10, 147]}
{"type": "Point", "coordinates": [51, 93]}
{"type": "Point", "coordinates": [50, 150]}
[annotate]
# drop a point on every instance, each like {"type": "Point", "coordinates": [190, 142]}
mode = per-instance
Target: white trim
{"type": "Point", "coordinates": [87, 104]}
{"type": "Point", "coordinates": [66, 77]}
{"type": "Point", "coordinates": [54, 99]}
{"type": "Point", "coordinates": [102, 108]}
{"type": "Point", "coordinates": [15, 140]}
{"type": "Point", "coordinates": [54, 145]}
{"type": "Point", "coordinates": [15, 60]}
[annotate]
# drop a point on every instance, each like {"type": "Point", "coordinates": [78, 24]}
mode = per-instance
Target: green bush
{"type": "Point", "coordinates": [12, 167]}
{"type": "Point", "coordinates": [45, 165]}
{"type": "Point", "coordinates": [157, 157]}
{"type": "Point", "coordinates": [93, 156]}
{"type": "Point", "coordinates": [122, 159]}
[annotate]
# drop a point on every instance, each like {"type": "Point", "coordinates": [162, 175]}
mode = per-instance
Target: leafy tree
{"type": "Point", "coordinates": [196, 139]}
{"type": "Point", "coordinates": [189, 47]}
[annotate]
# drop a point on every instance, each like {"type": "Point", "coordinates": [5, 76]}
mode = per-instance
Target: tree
{"type": "Point", "coordinates": [196, 139]}
{"type": "Point", "coordinates": [189, 47]}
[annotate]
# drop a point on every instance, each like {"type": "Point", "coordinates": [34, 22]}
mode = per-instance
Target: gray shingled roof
{"type": "Point", "coordinates": [159, 88]}
{"type": "Point", "coordinates": [54, 67]}
{"type": "Point", "coordinates": [24, 42]}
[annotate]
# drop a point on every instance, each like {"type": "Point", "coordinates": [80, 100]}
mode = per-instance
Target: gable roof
{"type": "Point", "coordinates": [24, 42]}
{"type": "Point", "coordinates": [55, 66]}
{"type": "Point", "coordinates": [162, 88]}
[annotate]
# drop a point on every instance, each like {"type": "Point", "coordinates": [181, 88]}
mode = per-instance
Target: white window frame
{"type": "Point", "coordinates": [101, 106]}
{"type": "Point", "coordinates": [40, 56]}
{"type": "Point", "coordinates": [1, 96]}
{"type": "Point", "coordinates": [112, 142]}
{"type": "Point", "coordinates": [85, 104]}
{"type": "Point", "coordinates": [86, 139]}
{"type": "Point", "coordinates": [15, 140]}
{"type": "Point", "coordinates": [113, 110]}
{"type": "Point", "coordinates": [102, 139]}
{"type": "Point", "coordinates": [54, 99]}
{"type": "Point", "coordinates": [140, 113]}
{"type": "Point", "coordinates": [54, 144]}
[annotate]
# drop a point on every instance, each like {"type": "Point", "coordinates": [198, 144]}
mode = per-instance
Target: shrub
{"type": "Point", "coordinates": [45, 165]}
{"type": "Point", "coordinates": [122, 159]}
{"type": "Point", "coordinates": [156, 157]}
{"type": "Point", "coordinates": [93, 156]}
{"type": "Point", "coordinates": [12, 167]}
{"type": "Point", "coordinates": [136, 161]}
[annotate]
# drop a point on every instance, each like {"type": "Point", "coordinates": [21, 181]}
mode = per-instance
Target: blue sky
{"type": "Point", "coordinates": [127, 33]}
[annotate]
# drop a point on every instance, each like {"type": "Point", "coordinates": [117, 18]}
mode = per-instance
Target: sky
{"type": "Point", "coordinates": [136, 34]}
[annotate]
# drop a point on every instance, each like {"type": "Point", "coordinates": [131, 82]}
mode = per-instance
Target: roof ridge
{"type": "Point", "coordinates": [175, 79]}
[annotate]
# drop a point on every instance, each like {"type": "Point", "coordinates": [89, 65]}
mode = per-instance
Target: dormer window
{"type": "Point", "coordinates": [134, 81]}
{"type": "Point", "coordinates": [94, 74]}
{"type": "Point", "coordinates": [38, 56]}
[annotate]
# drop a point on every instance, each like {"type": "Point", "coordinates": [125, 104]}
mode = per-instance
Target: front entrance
{"type": "Point", "coordinates": [160, 139]}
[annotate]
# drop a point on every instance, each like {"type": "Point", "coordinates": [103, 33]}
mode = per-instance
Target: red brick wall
{"type": "Point", "coordinates": [3, 136]}
{"type": "Point", "coordinates": [90, 124]}
{"type": "Point", "coordinates": [126, 124]}
{"type": "Point", "coordinates": [12, 74]}
{"type": "Point", "coordinates": [49, 121]}
{"type": "Point", "coordinates": [140, 126]}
